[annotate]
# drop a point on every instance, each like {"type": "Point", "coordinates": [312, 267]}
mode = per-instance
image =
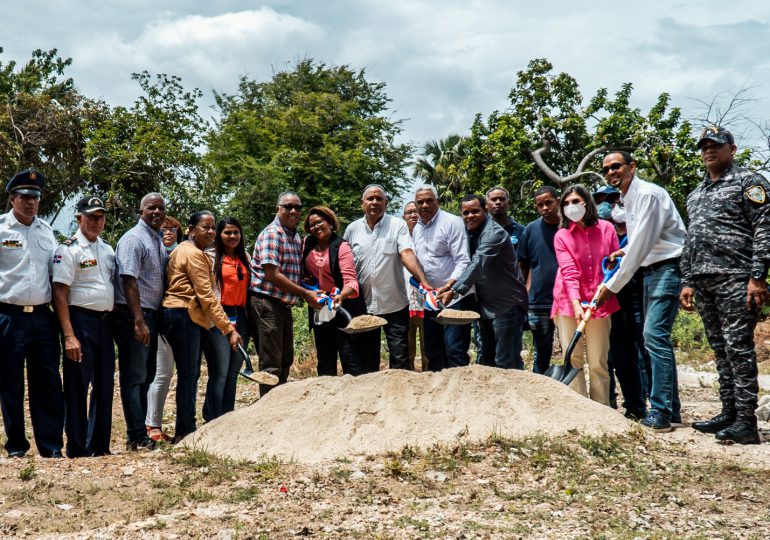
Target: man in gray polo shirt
{"type": "Point", "coordinates": [382, 247]}
{"type": "Point", "coordinates": [139, 287]}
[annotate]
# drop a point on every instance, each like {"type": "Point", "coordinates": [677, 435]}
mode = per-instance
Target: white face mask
{"type": "Point", "coordinates": [618, 214]}
{"type": "Point", "coordinates": [575, 212]}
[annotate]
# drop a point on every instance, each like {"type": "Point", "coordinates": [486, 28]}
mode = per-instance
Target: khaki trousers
{"type": "Point", "coordinates": [594, 344]}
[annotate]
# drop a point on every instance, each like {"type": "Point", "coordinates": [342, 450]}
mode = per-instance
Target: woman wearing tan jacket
{"type": "Point", "coordinates": [191, 307]}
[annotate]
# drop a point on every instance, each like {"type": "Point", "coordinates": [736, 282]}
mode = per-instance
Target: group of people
{"type": "Point", "coordinates": [166, 296]}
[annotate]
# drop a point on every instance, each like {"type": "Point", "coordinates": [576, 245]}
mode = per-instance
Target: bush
{"type": "Point", "coordinates": [689, 337]}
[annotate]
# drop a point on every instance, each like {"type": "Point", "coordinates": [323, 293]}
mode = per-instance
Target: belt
{"type": "Point", "coordinates": [91, 312]}
{"type": "Point", "coordinates": [124, 308]}
{"type": "Point", "coordinates": [268, 297]}
{"type": "Point", "coordinates": [21, 309]}
{"type": "Point", "coordinates": [665, 262]}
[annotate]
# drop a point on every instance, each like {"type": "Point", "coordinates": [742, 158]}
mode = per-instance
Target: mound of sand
{"type": "Point", "coordinates": [322, 418]}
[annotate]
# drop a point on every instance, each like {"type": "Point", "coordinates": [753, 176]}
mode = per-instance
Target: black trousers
{"type": "Point", "coordinates": [331, 342]}
{"type": "Point", "coordinates": [34, 338]}
{"type": "Point", "coordinates": [397, 336]}
{"type": "Point", "coordinates": [89, 425]}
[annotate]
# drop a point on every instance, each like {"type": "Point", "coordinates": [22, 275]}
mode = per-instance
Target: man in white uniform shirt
{"type": "Point", "coordinates": [382, 248]}
{"type": "Point", "coordinates": [83, 294]}
{"type": "Point", "coordinates": [28, 330]}
{"type": "Point", "coordinates": [656, 236]}
{"type": "Point", "coordinates": [442, 249]}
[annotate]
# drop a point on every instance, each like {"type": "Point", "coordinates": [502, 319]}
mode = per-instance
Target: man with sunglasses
{"type": "Point", "coordinates": [656, 235]}
{"type": "Point", "coordinates": [28, 329]}
{"type": "Point", "coordinates": [724, 269]}
{"type": "Point", "coordinates": [276, 271]}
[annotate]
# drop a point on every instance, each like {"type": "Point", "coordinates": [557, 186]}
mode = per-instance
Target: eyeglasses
{"type": "Point", "coordinates": [168, 230]}
{"type": "Point", "coordinates": [239, 272]}
{"type": "Point", "coordinates": [290, 207]}
{"type": "Point", "coordinates": [316, 225]}
{"type": "Point", "coordinates": [613, 167]}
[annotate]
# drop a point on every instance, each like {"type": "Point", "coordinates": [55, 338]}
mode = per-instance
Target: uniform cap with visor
{"type": "Point", "coordinates": [717, 134]}
{"type": "Point", "coordinates": [27, 182]}
{"type": "Point", "coordinates": [90, 204]}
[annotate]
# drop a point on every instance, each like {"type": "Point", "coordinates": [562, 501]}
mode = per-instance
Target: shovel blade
{"type": "Point", "coordinates": [571, 375]}
{"type": "Point", "coordinates": [555, 372]}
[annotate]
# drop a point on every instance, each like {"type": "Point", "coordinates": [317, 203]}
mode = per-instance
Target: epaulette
{"type": "Point", "coordinates": [68, 241]}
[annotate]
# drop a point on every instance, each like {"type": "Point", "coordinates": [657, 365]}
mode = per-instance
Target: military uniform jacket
{"type": "Point", "coordinates": [88, 268]}
{"type": "Point", "coordinates": [729, 229]}
{"type": "Point", "coordinates": [25, 261]}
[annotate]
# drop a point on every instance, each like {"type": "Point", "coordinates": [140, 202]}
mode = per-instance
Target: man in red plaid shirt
{"type": "Point", "coordinates": [275, 276]}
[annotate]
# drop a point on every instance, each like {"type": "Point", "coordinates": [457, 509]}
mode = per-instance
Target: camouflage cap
{"type": "Point", "coordinates": [717, 134]}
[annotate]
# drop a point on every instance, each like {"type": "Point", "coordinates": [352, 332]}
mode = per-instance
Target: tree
{"type": "Point", "coordinates": [41, 117]}
{"type": "Point", "coordinates": [441, 166]}
{"type": "Point", "coordinates": [152, 146]}
{"type": "Point", "coordinates": [320, 131]}
{"type": "Point", "coordinates": [549, 136]}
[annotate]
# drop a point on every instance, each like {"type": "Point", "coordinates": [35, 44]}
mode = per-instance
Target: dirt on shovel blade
{"type": "Point", "coordinates": [366, 322]}
{"type": "Point", "coordinates": [458, 314]}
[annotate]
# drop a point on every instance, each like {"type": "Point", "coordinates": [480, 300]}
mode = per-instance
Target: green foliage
{"type": "Point", "coordinates": [151, 146]}
{"type": "Point", "coordinates": [41, 115]}
{"type": "Point", "coordinates": [320, 131]}
{"type": "Point", "coordinates": [548, 116]}
{"type": "Point", "coordinates": [442, 167]}
{"type": "Point", "coordinates": [689, 336]}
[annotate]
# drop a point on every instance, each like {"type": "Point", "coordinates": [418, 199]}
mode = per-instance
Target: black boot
{"type": "Point", "coordinates": [714, 425]}
{"type": "Point", "coordinates": [743, 431]}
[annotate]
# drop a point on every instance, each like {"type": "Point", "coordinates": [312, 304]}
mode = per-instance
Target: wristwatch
{"type": "Point", "coordinates": [758, 274]}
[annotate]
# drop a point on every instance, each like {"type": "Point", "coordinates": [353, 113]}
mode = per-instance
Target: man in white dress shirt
{"type": "Point", "coordinates": [382, 248]}
{"type": "Point", "coordinates": [28, 330]}
{"type": "Point", "coordinates": [656, 236]}
{"type": "Point", "coordinates": [83, 294]}
{"type": "Point", "coordinates": [442, 248]}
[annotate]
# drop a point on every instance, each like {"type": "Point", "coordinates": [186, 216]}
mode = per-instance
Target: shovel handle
{"type": "Point", "coordinates": [243, 352]}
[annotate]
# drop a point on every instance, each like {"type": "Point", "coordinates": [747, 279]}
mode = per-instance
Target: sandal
{"type": "Point", "coordinates": [157, 434]}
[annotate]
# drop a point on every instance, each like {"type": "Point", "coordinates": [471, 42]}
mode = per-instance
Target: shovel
{"type": "Point", "coordinates": [567, 373]}
{"type": "Point", "coordinates": [261, 377]}
{"type": "Point", "coordinates": [446, 316]}
{"type": "Point", "coordinates": [356, 325]}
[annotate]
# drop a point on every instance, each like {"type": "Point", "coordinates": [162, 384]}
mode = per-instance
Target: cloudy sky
{"type": "Point", "coordinates": [443, 61]}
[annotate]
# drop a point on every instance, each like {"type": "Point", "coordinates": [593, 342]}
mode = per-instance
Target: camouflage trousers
{"type": "Point", "coordinates": [721, 303]}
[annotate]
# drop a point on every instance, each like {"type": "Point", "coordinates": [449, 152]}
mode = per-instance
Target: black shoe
{"type": "Point", "coordinates": [635, 415]}
{"type": "Point", "coordinates": [716, 424]}
{"type": "Point", "coordinates": [141, 444]}
{"type": "Point", "coordinates": [16, 454]}
{"type": "Point", "coordinates": [56, 454]}
{"type": "Point", "coordinates": [743, 431]}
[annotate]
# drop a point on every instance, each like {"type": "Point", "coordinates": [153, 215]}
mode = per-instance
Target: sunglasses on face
{"type": "Point", "coordinates": [239, 272]}
{"type": "Point", "coordinates": [290, 207]}
{"type": "Point", "coordinates": [613, 167]}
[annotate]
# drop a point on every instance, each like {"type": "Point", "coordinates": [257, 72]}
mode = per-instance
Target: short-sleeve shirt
{"type": "Point", "coordinates": [536, 250]}
{"type": "Point", "coordinates": [282, 248]}
{"type": "Point", "coordinates": [141, 255]}
{"type": "Point", "coordinates": [377, 253]}
{"type": "Point", "coordinates": [26, 253]}
{"type": "Point", "coordinates": [88, 269]}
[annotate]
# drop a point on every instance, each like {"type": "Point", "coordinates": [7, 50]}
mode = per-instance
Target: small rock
{"type": "Point", "coordinates": [357, 475]}
{"type": "Point", "coordinates": [436, 476]}
{"type": "Point", "coordinates": [128, 471]}
{"type": "Point", "coordinates": [64, 506]}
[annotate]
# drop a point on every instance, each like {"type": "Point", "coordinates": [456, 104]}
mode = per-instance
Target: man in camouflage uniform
{"type": "Point", "coordinates": [724, 266]}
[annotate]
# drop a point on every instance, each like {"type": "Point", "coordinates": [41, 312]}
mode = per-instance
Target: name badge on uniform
{"type": "Point", "coordinates": [756, 194]}
{"type": "Point", "coordinates": [12, 244]}
{"type": "Point", "coordinates": [88, 263]}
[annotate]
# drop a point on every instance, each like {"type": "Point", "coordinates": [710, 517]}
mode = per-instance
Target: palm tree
{"type": "Point", "coordinates": [440, 165]}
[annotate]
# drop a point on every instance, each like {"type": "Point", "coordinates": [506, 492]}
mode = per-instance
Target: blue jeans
{"type": "Point", "coordinates": [184, 338]}
{"type": "Point", "coordinates": [501, 340]}
{"type": "Point", "coordinates": [661, 304]}
{"type": "Point", "coordinates": [136, 365]}
{"type": "Point", "coordinates": [224, 364]}
{"type": "Point", "coordinates": [447, 346]}
{"type": "Point", "coordinates": [541, 325]}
